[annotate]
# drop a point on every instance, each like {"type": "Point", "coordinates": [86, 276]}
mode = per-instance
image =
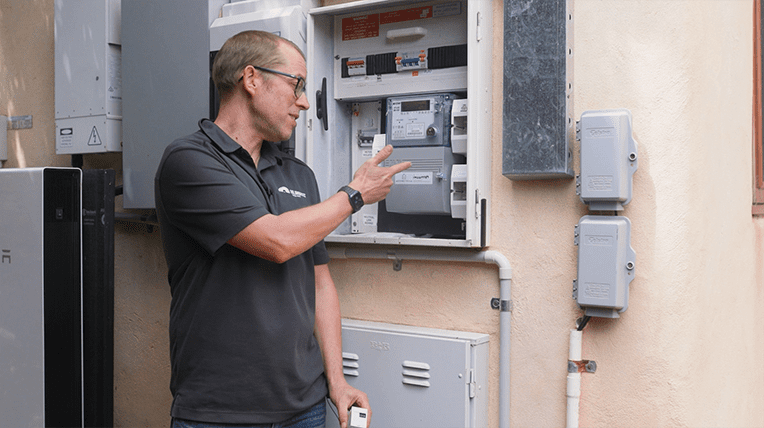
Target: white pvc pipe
{"type": "Point", "coordinates": [505, 284]}
{"type": "Point", "coordinates": [574, 380]}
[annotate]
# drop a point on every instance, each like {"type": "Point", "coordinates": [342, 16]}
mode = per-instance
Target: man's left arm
{"type": "Point", "coordinates": [328, 331]}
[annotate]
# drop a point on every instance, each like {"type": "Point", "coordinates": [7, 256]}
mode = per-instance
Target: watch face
{"type": "Point", "coordinates": [356, 200]}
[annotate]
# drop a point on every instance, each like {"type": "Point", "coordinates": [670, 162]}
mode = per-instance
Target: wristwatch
{"type": "Point", "coordinates": [356, 201]}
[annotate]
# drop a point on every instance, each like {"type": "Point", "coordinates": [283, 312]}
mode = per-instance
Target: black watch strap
{"type": "Point", "coordinates": [356, 201]}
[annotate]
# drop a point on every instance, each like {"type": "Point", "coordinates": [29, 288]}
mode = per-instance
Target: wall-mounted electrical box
{"type": "Point", "coordinates": [417, 377]}
{"type": "Point", "coordinates": [608, 159]}
{"type": "Point", "coordinates": [166, 64]}
{"type": "Point", "coordinates": [406, 73]}
{"type": "Point", "coordinates": [606, 265]}
{"type": "Point", "coordinates": [538, 90]}
{"type": "Point", "coordinates": [88, 90]}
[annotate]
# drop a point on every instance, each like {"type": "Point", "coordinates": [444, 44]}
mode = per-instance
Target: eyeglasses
{"type": "Point", "coordinates": [299, 87]}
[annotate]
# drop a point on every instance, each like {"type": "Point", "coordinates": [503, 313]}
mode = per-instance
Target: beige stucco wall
{"type": "Point", "coordinates": [690, 349]}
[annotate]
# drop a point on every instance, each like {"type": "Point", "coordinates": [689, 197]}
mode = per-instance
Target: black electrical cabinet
{"type": "Point", "coordinates": [98, 190]}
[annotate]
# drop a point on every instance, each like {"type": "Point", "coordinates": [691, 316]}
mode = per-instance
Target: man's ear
{"type": "Point", "coordinates": [251, 79]}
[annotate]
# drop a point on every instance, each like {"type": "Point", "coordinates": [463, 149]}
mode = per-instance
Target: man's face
{"type": "Point", "coordinates": [276, 108]}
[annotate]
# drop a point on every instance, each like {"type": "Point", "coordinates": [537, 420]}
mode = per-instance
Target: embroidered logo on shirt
{"type": "Point", "coordinates": [294, 193]}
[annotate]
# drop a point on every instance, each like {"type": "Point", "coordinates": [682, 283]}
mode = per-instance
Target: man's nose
{"type": "Point", "coordinates": [302, 101]}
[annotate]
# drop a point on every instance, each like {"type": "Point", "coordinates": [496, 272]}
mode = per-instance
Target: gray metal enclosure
{"type": "Point", "coordinates": [417, 377]}
{"type": "Point", "coordinates": [165, 78]}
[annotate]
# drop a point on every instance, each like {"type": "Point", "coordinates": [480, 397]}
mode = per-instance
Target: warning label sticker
{"type": "Point", "coordinates": [369, 220]}
{"type": "Point", "coordinates": [65, 137]}
{"type": "Point", "coordinates": [94, 139]}
{"type": "Point", "coordinates": [365, 26]}
{"type": "Point", "coordinates": [360, 27]}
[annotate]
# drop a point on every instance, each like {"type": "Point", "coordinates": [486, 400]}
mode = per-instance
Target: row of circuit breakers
{"type": "Point", "coordinates": [606, 261]}
{"type": "Point", "coordinates": [396, 62]}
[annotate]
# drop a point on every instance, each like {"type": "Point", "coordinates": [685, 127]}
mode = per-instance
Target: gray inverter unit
{"type": "Point", "coordinates": [41, 336]}
{"type": "Point", "coordinates": [416, 377]}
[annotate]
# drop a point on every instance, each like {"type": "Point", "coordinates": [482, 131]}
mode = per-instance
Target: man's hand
{"type": "Point", "coordinates": [374, 181]}
{"type": "Point", "coordinates": [344, 397]}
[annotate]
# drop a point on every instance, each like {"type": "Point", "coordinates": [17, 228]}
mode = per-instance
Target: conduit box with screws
{"type": "Point", "coordinates": [606, 265]}
{"type": "Point", "coordinates": [608, 159]}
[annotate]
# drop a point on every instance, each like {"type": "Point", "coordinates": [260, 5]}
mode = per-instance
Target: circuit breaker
{"type": "Point", "coordinates": [88, 67]}
{"type": "Point", "coordinates": [606, 265]}
{"type": "Point", "coordinates": [608, 159]}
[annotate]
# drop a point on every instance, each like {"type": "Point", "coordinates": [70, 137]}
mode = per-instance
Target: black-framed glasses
{"type": "Point", "coordinates": [299, 87]}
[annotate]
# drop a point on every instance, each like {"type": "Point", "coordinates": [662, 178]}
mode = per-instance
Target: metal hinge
{"type": "Point", "coordinates": [477, 204]}
{"type": "Point", "coordinates": [472, 384]}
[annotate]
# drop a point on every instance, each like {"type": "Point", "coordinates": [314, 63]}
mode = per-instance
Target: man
{"type": "Point", "coordinates": [255, 335]}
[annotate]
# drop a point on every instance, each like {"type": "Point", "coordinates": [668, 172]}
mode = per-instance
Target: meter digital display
{"type": "Point", "coordinates": [419, 120]}
{"type": "Point", "coordinates": [418, 105]}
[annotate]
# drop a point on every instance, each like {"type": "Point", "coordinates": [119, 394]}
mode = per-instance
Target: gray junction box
{"type": "Point", "coordinates": [415, 376]}
{"type": "Point", "coordinates": [608, 159]}
{"type": "Point", "coordinates": [606, 265]}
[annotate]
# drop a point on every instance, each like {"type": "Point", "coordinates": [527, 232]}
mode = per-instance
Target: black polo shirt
{"type": "Point", "coordinates": [241, 328]}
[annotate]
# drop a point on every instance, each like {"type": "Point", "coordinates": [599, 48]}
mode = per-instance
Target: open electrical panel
{"type": "Point", "coordinates": [415, 75]}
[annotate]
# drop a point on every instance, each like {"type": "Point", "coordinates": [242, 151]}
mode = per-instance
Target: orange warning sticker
{"type": "Point", "coordinates": [405, 15]}
{"type": "Point", "coordinates": [360, 27]}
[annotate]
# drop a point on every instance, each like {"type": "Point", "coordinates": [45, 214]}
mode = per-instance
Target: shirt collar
{"type": "Point", "coordinates": [269, 153]}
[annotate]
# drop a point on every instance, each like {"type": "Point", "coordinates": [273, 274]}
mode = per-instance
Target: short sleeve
{"type": "Point", "coordinates": [200, 194]}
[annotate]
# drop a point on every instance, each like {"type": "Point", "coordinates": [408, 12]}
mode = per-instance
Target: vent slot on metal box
{"type": "Point", "coordinates": [350, 364]}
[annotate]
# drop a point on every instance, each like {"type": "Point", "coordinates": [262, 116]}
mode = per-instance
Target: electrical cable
{"type": "Point", "coordinates": [584, 320]}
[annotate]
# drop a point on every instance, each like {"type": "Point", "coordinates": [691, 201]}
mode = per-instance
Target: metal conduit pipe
{"type": "Point", "coordinates": [397, 255]}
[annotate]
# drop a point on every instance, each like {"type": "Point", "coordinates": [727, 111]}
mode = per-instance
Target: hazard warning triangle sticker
{"type": "Point", "coordinates": [94, 139]}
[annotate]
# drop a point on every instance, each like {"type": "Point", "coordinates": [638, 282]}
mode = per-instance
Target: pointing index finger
{"type": "Point", "coordinates": [398, 167]}
{"type": "Point", "coordinates": [382, 154]}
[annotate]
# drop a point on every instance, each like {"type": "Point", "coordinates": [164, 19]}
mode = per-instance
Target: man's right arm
{"type": "Point", "coordinates": [278, 238]}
